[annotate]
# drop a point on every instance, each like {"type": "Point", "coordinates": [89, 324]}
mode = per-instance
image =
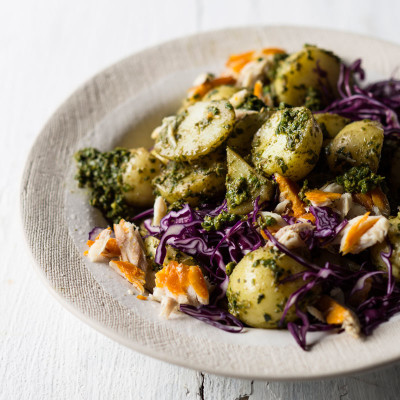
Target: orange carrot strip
{"type": "Point", "coordinates": [290, 190]}
{"type": "Point", "coordinates": [140, 297]}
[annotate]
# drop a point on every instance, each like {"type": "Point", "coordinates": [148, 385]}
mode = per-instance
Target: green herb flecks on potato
{"type": "Point", "coordinates": [288, 143]}
{"type": "Point", "coordinates": [244, 185]}
{"type": "Point", "coordinates": [196, 132]}
{"type": "Point", "coordinates": [310, 69]}
{"type": "Point", "coordinates": [255, 294]}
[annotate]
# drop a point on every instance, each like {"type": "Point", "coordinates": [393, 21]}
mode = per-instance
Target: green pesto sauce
{"type": "Point", "coordinates": [179, 175]}
{"type": "Point", "coordinates": [230, 267]}
{"type": "Point", "coordinates": [212, 113]}
{"type": "Point", "coordinates": [267, 317]}
{"type": "Point", "coordinates": [253, 103]}
{"type": "Point", "coordinates": [359, 180]}
{"type": "Point", "coordinates": [216, 223]}
{"type": "Point", "coordinates": [282, 165]}
{"type": "Point", "coordinates": [102, 173]}
{"type": "Point", "coordinates": [239, 190]}
{"type": "Point", "coordinates": [313, 100]}
{"type": "Point", "coordinates": [305, 188]}
{"type": "Point", "coordinates": [235, 305]}
{"type": "Point", "coordinates": [266, 221]}
{"type": "Point", "coordinates": [292, 124]}
{"type": "Point", "coordinates": [272, 265]}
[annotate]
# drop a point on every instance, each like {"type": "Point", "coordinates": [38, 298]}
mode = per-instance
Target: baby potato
{"type": "Point", "coordinates": [139, 171]}
{"type": "Point", "coordinates": [246, 125]}
{"type": "Point", "coordinates": [331, 124]}
{"type": "Point", "coordinates": [201, 180]}
{"type": "Point", "coordinates": [288, 143]}
{"type": "Point", "coordinates": [359, 143]}
{"type": "Point", "coordinates": [299, 72]}
{"type": "Point", "coordinates": [394, 239]}
{"type": "Point", "coordinates": [254, 293]}
{"type": "Point", "coordinates": [244, 185]}
{"type": "Point", "coordinates": [223, 92]}
{"type": "Point", "coordinates": [197, 131]}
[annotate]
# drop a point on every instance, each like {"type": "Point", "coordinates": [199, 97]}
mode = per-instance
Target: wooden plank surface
{"type": "Point", "coordinates": [48, 48]}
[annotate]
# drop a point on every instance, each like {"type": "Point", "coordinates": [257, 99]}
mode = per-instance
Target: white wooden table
{"type": "Point", "coordinates": [47, 49]}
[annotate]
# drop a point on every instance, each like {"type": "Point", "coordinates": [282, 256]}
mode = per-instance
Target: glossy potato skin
{"type": "Point", "coordinates": [194, 182]}
{"type": "Point", "coordinates": [331, 124]}
{"type": "Point", "coordinates": [299, 72]}
{"type": "Point", "coordinates": [223, 92]}
{"type": "Point", "coordinates": [138, 174]}
{"type": "Point", "coordinates": [197, 131]}
{"type": "Point", "coordinates": [359, 143]}
{"type": "Point", "coordinates": [394, 239]}
{"type": "Point", "coordinates": [244, 185]}
{"type": "Point", "coordinates": [245, 127]}
{"type": "Point", "coordinates": [254, 293]}
{"type": "Point", "coordinates": [288, 143]}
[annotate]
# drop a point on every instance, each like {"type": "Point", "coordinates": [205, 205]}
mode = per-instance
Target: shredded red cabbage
{"type": "Point", "coordinates": [328, 225]}
{"type": "Point", "coordinates": [212, 249]}
{"type": "Point", "coordinates": [382, 303]}
{"type": "Point", "coordinates": [182, 230]}
{"type": "Point", "coordinates": [143, 214]}
{"type": "Point", "coordinates": [379, 101]}
{"type": "Point", "coordinates": [214, 316]}
{"type": "Point", "coordinates": [95, 232]}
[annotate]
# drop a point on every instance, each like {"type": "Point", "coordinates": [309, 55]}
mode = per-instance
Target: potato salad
{"type": "Point", "coordinates": [270, 199]}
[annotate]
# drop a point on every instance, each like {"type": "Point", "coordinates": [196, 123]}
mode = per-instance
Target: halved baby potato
{"type": "Point", "coordinates": [358, 143]}
{"type": "Point", "coordinates": [288, 143]}
{"type": "Point", "coordinates": [139, 171]}
{"type": "Point", "coordinates": [244, 185]}
{"type": "Point", "coordinates": [310, 67]}
{"type": "Point", "coordinates": [197, 131]}
{"type": "Point", "coordinates": [200, 180]}
{"type": "Point", "coordinates": [256, 293]}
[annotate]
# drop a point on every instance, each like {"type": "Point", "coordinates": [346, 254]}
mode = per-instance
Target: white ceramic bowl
{"type": "Point", "coordinates": [122, 105]}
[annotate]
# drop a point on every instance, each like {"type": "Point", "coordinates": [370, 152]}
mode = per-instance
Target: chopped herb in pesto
{"type": "Point", "coordinates": [292, 124]}
{"type": "Point", "coordinates": [237, 191]}
{"type": "Point", "coordinates": [214, 110]}
{"type": "Point", "coordinates": [359, 180]}
{"type": "Point", "coordinates": [282, 164]}
{"type": "Point", "coordinates": [230, 267]}
{"type": "Point", "coordinates": [305, 188]}
{"type": "Point", "coordinates": [260, 298]}
{"type": "Point", "coordinates": [102, 173]}
{"type": "Point", "coordinates": [216, 223]}
{"type": "Point", "coordinates": [272, 265]}
{"type": "Point", "coordinates": [265, 221]}
{"type": "Point", "coordinates": [236, 306]}
{"type": "Point", "coordinates": [313, 100]}
{"type": "Point", "coordinates": [267, 317]}
{"type": "Point", "coordinates": [252, 103]}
